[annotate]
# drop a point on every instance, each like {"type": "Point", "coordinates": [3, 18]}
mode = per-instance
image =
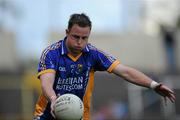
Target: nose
{"type": "Point", "coordinates": [79, 41]}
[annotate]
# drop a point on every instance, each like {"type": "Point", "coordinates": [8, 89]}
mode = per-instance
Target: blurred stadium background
{"type": "Point", "coordinates": [134, 31]}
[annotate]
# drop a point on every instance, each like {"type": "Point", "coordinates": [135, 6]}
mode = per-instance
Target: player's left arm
{"type": "Point", "coordinates": [136, 77]}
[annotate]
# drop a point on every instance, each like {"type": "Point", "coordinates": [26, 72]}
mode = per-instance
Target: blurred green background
{"type": "Point", "coordinates": [144, 34]}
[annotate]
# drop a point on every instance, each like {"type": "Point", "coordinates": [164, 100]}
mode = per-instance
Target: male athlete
{"type": "Point", "coordinates": [68, 66]}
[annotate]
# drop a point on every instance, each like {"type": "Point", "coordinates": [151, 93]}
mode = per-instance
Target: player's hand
{"type": "Point", "coordinates": [52, 108]}
{"type": "Point", "coordinates": [165, 92]}
{"type": "Point", "coordinates": [53, 101]}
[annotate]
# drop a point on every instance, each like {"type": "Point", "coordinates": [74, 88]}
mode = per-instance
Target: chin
{"type": "Point", "coordinates": [77, 51]}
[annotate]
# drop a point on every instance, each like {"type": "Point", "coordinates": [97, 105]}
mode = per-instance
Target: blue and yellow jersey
{"type": "Point", "coordinates": [73, 74]}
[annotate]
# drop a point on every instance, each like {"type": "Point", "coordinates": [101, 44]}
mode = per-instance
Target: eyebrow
{"type": "Point", "coordinates": [78, 37]}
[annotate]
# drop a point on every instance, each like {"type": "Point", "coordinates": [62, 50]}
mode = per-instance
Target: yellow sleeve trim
{"type": "Point", "coordinates": [46, 71]}
{"type": "Point", "coordinates": [113, 65]}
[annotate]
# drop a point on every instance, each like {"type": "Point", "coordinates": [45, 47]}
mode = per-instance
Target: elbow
{"type": "Point", "coordinates": [123, 71]}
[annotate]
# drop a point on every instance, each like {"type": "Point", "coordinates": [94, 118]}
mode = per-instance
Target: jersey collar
{"type": "Point", "coordinates": [64, 49]}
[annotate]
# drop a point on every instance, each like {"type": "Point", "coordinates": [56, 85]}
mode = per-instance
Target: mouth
{"type": "Point", "coordinates": [78, 48]}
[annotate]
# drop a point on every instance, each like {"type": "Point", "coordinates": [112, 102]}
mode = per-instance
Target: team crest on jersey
{"type": "Point", "coordinates": [62, 69]}
{"type": "Point", "coordinates": [80, 68]}
{"type": "Point", "coordinates": [76, 69]}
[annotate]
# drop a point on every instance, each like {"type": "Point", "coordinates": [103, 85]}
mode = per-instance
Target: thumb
{"type": "Point", "coordinates": [52, 108]}
{"type": "Point", "coordinates": [52, 113]}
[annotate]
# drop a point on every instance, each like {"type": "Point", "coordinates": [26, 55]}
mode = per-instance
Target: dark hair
{"type": "Point", "coordinates": [80, 19]}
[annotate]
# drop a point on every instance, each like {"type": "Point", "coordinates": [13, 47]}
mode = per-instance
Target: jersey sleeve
{"type": "Point", "coordinates": [105, 62]}
{"type": "Point", "coordinates": [47, 62]}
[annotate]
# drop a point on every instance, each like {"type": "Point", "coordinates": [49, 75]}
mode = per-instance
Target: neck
{"type": "Point", "coordinates": [74, 54]}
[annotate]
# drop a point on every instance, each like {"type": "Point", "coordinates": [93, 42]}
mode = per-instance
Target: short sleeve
{"type": "Point", "coordinates": [47, 62]}
{"type": "Point", "coordinates": [105, 61]}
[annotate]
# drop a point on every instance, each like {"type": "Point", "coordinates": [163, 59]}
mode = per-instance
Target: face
{"type": "Point", "coordinates": [77, 39]}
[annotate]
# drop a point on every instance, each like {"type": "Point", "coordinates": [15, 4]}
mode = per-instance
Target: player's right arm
{"type": "Point", "coordinates": [47, 81]}
{"type": "Point", "coordinates": [47, 71]}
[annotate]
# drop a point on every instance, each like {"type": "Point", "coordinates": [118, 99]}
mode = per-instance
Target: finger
{"type": "Point", "coordinates": [52, 109]}
{"type": "Point", "coordinates": [52, 113]}
{"type": "Point", "coordinates": [172, 98]}
{"type": "Point", "coordinates": [165, 100]}
{"type": "Point", "coordinates": [169, 90]}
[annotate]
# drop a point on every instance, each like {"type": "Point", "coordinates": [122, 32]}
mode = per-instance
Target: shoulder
{"type": "Point", "coordinates": [92, 48]}
{"type": "Point", "coordinates": [52, 49]}
{"type": "Point", "coordinates": [100, 53]}
{"type": "Point", "coordinates": [54, 46]}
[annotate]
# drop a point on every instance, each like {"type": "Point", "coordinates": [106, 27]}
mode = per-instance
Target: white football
{"type": "Point", "coordinates": [68, 107]}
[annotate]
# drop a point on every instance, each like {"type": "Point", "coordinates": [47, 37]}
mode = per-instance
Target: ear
{"type": "Point", "coordinates": [67, 32]}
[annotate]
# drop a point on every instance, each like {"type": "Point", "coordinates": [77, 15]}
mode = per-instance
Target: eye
{"type": "Point", "coordinates": [85, 38]}
{"type": "Point", "coordinates": [76, 36]}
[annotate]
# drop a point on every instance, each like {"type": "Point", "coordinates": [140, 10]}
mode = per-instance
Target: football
{"type": "Point", "coordinates": [68, 107]}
